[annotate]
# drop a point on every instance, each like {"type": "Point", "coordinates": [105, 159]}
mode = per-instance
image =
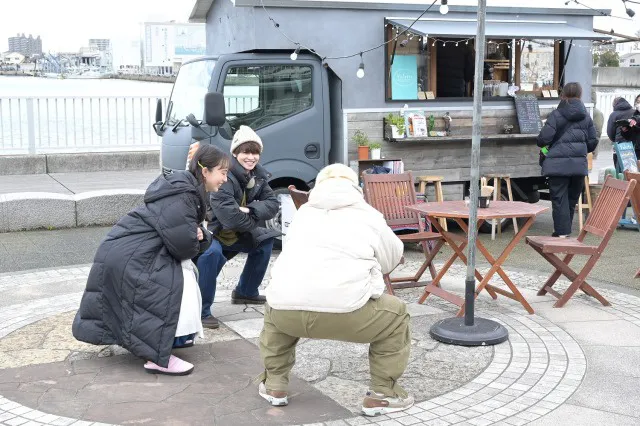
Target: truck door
{"type": "Point", "coordinates": [282, 102]}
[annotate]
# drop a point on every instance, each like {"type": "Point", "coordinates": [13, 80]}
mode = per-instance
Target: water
{"type": "Point", "coordinates": [78, 114]}
{"type": "Point", "coordinates": [43, 87]}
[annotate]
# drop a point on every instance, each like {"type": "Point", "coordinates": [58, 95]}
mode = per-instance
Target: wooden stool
{"type": "Point", "coordinates": [588, 206]}
{"type": "Point", "coordinates": [437, 183]}
{"type": "Point", "coordinates": [497, 191]}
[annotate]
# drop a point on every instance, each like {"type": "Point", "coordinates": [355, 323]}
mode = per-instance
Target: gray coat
{"type": "Point", "coordinates": [569, 134]}
{"type": "Point", "coordinates": [225, 205]}
{"type": "Point", "coordinates": [621, 110]}
{"type": "Point", "coordinates": [134, 290]}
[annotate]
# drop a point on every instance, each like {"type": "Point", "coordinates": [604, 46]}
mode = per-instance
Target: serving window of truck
{"type": "Point", "coordinates": [434, 59]}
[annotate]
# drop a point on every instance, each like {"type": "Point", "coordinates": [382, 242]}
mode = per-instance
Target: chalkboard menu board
{"type": "Point", "coordinates": [626, 156]}
{"type": "Point", "coordinates": [528, 112]}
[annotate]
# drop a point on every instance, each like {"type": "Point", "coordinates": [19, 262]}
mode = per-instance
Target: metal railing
{"type": "Point", "coordinates": [84, 124]}
{"type": "Point", "coordinates": [71, 124]}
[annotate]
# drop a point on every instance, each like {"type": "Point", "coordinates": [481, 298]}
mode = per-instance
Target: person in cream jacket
{"type": "Point", "coordinates": [328, 284]}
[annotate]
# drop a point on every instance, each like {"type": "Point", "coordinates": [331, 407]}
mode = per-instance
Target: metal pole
{"type": "Point", "coordinates": [472, 331]}
{"type": "Point", "coordinates": [470, 281]}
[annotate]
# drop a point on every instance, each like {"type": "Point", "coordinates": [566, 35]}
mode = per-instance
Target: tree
{"type": "Point", "coordinates": [606, 59]}
{"type": "Point", "coordinates": [636, 44]}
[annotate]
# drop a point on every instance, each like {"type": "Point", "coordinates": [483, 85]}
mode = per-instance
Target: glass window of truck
{"type": "Point", "coordinates": [187, 96]}
{"type": "Point", "coordinates": [258, 96]}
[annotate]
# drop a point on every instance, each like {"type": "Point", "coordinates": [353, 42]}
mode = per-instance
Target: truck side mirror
{"type": "Point", "coordinates": [159, 111]}
{"type": "Point", "coordinates": [214, 110]}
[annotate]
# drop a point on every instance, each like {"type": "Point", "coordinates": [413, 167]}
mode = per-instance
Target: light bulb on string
{"type": "Point", "coordinates": [444, 8]}
{"type": "Point", "coordinates": [444, 43]}
{"type": "Point", "coordinates": [295, 53]}
{"type": "Point", "coordinates": [434, 43]}
{"type": "Point", "coordinates": [456, 44]}
{"type": "Point", "coordinates": [360, 72]}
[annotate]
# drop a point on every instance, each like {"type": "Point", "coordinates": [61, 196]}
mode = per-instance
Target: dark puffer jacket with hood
{"type": "Point", "coordinates": [134, 290]}
{"type": "Point", "coordinates": [622, 110]}
{"type": "Point", "coordinates": [225, 211]}
{"type": "Point", "coordinates": [569, 134]}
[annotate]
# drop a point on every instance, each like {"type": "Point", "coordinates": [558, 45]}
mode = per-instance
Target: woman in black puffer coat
{"type": "Point", "coordinates": [135, 287]}
{"type": "Point", "coordinates": [622, 110]}
{"type": "Point", "coordinates": [569, 134]}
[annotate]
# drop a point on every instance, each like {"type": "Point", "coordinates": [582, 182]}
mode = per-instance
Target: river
{"type": "Point", "coordinates": [43, 87]}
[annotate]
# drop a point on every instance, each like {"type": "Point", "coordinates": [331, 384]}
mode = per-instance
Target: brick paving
{"type": "Point", "coordinates": [541, 368]}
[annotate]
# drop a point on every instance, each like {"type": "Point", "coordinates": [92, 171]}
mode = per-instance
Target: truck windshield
{"type": "Point", "coordinates": [187, 96]}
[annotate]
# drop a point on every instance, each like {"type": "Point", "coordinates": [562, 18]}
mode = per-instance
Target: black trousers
{"type": "Point", "coordinates": [565, 192]}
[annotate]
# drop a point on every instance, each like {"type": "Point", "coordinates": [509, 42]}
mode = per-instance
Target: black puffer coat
{"type": "Point", "coordinates": [570, 134]}
{"type": "Point", "coordinates": [134, 290]}
{"type": "Point", "coordinates": [225, 205]}
{"type": "Point", "coordinates": [622, 110]}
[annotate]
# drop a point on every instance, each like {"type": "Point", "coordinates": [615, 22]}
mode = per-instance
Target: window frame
{"type": "Point", "coordinates": [263, 64]}
{"type": "Point", "coordinates": [431, 51]}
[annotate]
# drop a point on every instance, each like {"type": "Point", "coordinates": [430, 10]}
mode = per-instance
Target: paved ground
{"type": "Point", "coordinates": [555, 369]}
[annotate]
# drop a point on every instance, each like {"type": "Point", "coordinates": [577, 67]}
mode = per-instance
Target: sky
{"type": "Point", "coordinates": [66, 25]}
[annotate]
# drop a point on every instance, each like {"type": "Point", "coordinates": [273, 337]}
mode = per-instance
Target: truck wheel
{"type": "Point", "coordinates": [276, 222]}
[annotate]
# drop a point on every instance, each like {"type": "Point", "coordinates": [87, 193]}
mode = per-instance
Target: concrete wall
{"type": "Point", "coordinates": [616, 77]}
{"type": "Point", "coordinates": [336, 32]}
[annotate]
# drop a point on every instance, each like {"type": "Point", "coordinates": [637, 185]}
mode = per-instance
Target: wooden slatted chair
{"type": "Point", "coordinates": [390, 194]}
{"type": "Point", "coordinates": [299, 197]}
{"type": "Point", "coordinates": [635, 197]}
{"type": "Point", "coordinates": [602, 222]}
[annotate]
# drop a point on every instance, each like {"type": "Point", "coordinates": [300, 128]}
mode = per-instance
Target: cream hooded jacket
{"type": "Point", "coordinates": [337, 249]}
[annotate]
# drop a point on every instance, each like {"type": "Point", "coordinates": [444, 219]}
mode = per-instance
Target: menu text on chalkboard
{"type": "Point", "coordinates": [528, 112]}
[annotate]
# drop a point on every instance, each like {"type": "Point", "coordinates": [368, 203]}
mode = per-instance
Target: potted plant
{"type": "Point", "coordinates": [396, 123]}
{"type": "Point", "coordinates": [362, 141]}
{"type": "Point", "coordinates": [375, 150]}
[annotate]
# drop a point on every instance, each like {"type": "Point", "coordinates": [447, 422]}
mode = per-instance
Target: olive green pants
{"type": "Point", "coordinates": [383, 322]}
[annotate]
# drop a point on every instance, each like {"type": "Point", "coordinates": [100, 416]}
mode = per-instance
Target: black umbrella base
{"type": "Point", "coordinates": [483, 332]}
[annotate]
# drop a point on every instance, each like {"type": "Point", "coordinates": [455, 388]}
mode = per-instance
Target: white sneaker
{"type": "Point", "coordinates": [375, 404]}
{"type": "Point", "coordinates": [275, 398]}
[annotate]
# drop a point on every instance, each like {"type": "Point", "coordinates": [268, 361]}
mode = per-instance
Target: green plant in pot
{"type": "Point", "coordinates": [396, 122]}
{"type": "Point", "coordinates": [375, 150]}
{"type": "Point", "coordinates": [362, 141]}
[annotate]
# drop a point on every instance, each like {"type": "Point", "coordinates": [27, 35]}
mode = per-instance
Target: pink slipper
{"type": "Point", "coordinates": [176, 367]}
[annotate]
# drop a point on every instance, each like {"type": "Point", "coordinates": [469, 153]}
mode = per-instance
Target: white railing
{"type": "Point", "coordinates": [75, 124]}
{"type": "Point", "coordinates": [84, 124]}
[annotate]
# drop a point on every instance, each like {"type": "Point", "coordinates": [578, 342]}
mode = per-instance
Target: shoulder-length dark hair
{"type": "Point", "coordinates": [208, 156]}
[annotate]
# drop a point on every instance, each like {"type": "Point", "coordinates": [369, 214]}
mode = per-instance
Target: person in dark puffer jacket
{"type": "Point", "coordinates": [135, 287]}
{"type": "Point", "coordinates": [570, 135]}
{"type": "Point", "coordinates": [622, 110]}
{"type": "Point", "coordinates": [632, 133]}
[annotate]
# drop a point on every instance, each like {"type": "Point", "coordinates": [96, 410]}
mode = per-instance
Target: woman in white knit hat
{"type": "Point", "coordinates": [245, 200]}
{"type": "Point", "coordinates": [327, 284]}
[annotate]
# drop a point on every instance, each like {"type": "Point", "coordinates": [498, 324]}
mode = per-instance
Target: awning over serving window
{"type": "Point", "coordinates": [502, 28]}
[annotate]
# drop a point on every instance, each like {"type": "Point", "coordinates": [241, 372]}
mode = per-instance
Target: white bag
{"type": "Point", "coordinates": [189, 321]}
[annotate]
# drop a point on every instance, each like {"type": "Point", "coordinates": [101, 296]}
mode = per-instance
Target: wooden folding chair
{"type": "Point", "coordinates": [602, 222]}
{"type": "Point", "coordinates": [390, 194]}
{"type": "Point", "coordinates": [635, 197]}
{"type": "Point", "coordinates": [298, 197]}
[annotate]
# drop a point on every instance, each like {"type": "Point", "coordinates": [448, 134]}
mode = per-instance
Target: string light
{"type": "Point", "coordinates": [360, 72]}
{"type": "Point", "coordinates": [444, 8]}
{"type": "Point", "coordinates": [294, 55]}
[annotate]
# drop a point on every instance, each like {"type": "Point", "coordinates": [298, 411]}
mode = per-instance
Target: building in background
{"type": "Point", "coordinates": [169, 44]}
{"type": "Point", "coordinates": [127, 56]}
{"type": "Point", "coordinates": [630, 59]}
{"type": "Point", "coordinates": [100, 44]}
{"type": "Point", "coordinates": [27, 46]}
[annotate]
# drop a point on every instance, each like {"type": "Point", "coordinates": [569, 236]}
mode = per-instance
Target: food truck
{"type": "Point", "coordinates": [317, 78]}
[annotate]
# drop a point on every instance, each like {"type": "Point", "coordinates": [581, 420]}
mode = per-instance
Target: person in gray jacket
{"type": "Point", "coordinates": [135, 286]}
{"type": "Point", "coordinates": [569, 135]}
{"type": "Point", "coordinates": [622, 110]}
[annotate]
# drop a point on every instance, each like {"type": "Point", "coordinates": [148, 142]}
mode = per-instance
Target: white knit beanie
{"type": "Point", "coordinates": [337, 171]}
{"type": "Point", "coordinates": [243, 135]}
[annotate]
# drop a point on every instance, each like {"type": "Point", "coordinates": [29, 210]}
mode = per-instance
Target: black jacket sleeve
{"type": "Point", "coordinates": [227, 210]}
{"type": "Point", "coordinates": [266, 206]}
{"type": "Point", "coordinates": [611, 127]}
{"type": "Point", "coordinates": [178, 228]}
{"type": "Point", "coordinates": [548, 132]}
{"type": "Point", "coordinates": [592, 136]}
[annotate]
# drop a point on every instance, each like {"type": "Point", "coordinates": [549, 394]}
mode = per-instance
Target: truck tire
{"type": "Point", "coordinates": [276, 222]}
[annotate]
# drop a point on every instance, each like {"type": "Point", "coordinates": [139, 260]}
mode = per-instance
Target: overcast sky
{"type": "Point", "coordinates": [66, 25]}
